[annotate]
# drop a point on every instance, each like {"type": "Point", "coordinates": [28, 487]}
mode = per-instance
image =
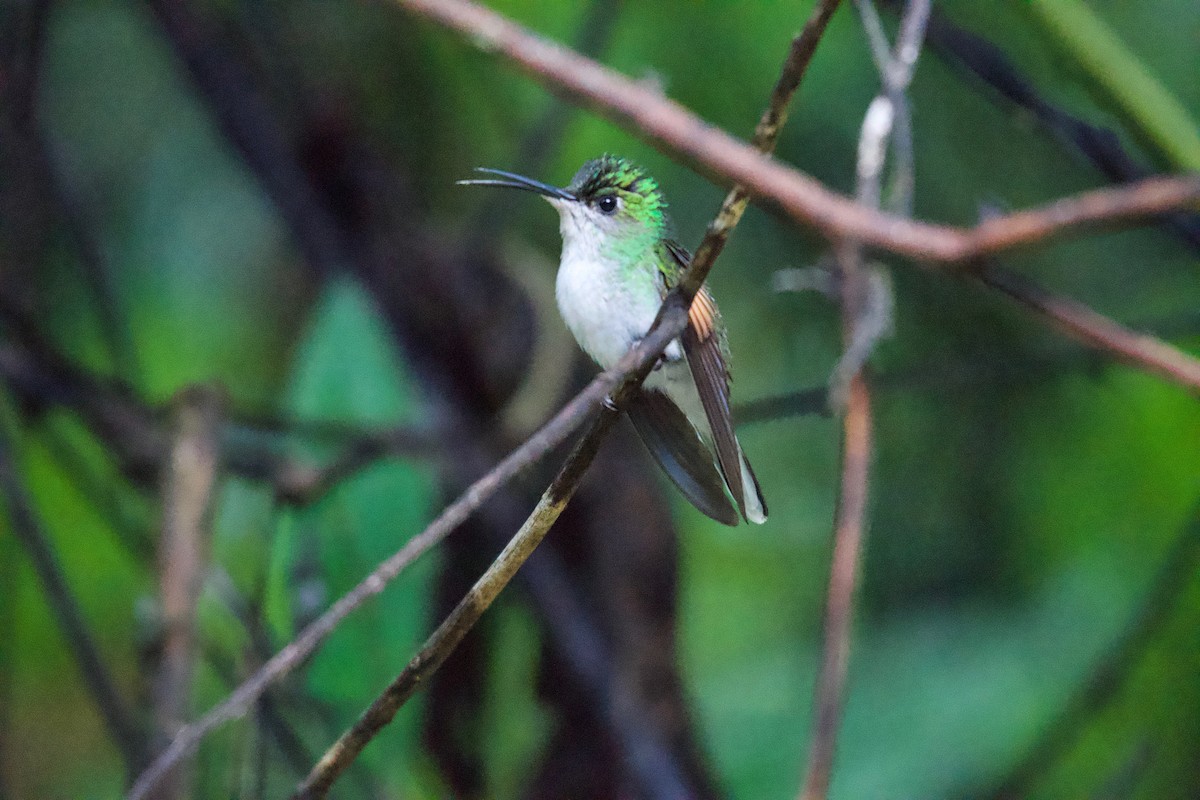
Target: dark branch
{"type": "Point", "coordinates": [1113, 670]}
{"type": "Point", "coordinates": [127, 735]}
{"type": "Point", "coordinates": [992, 67]}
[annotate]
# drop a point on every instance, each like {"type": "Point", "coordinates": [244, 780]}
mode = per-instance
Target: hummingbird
{"type": "Point", "coordinates": [618, 262]}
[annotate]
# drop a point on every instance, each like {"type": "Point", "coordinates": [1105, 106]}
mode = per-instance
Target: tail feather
{"type": "Point", "coordinates": [752, 501]}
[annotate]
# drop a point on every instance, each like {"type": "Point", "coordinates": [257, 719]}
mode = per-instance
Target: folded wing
{"type": "Point", "coordinates": [673, 442]}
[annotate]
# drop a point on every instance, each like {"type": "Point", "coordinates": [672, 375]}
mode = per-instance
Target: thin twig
{"type": "Point", "coordinates": [96, 270]}
{"type": "Point", "coordinates": [189, 484]}
{"type": "Point", "coordinates": [674, 128]}
{"type": "Point", "coordinates": [300, 482]}
{"type": "Point", "coordinates": [803, 47]}
{"type": "Point", "coordinates": [843, 577]}
{"type": "Point", "coordinates": [861, 297]}
{"type": "Point", "coordinates": [136, 432]}
{"type": "Point", "coordinates": [1096, 330]}
{"type": "Point", "coordinates": [1147, 197]}
{"type": "Point", "coordinates": [802, 403]}
{"type": "Point", "coordinates": [848, 533]}
{"type": "Point", "coordinates": [127, 735]}
{"type": "Point", "coordinates": [895, 68]}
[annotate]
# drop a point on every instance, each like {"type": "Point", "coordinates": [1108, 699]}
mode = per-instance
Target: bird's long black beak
{"type": "Point", "coordinates": [511, 180]}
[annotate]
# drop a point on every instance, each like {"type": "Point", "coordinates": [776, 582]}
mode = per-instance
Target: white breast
{"type": "Point", "coordinates": [607, 306]}
{"type": "Point", "coordinates": [606, 311]}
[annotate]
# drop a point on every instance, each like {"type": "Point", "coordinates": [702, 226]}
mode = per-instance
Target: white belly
{"type": "Point", "coordinates": [608, 315]}
{"type": "Point", "coordinates": [605, 307]}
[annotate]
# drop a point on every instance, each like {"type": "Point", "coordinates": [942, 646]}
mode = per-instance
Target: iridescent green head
{"type": "Point", "coordinates": [610, 203]}
{"type": "Point", "coordinates": [619, 188]}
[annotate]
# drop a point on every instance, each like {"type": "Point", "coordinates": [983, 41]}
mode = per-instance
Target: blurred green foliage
{"type": "Point", "coordinates": [1025, 498]}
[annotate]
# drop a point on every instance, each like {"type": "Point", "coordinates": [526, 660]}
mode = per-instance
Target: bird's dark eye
{"type": "Point", "coordinates": [607, 204]}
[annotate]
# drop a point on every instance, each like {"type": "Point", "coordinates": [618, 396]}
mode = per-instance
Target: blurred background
{"type": "Point", "coordinates": [241, 218]}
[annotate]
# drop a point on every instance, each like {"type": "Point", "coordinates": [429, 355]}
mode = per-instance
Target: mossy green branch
{"type": "Point", "coordinates": [1153, 112]}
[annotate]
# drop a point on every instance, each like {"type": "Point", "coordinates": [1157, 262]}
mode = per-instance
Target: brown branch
{"type": "Point", "coordinates": [257, 447]}
{"type": "Point", "coordinates": [848, 532]}
{"type": "Point", "coordinates": [843, 578]}
{"type": "Point", "coordinates": [674, 128]}
{"type": "Point", "coordinates": [1145, 198]}
{"type": "Point", "coordinates": [984, 59]}
{"type": "Point", "coordinates": [860, 295]}
{"type": "Point", "coordinates": [1096, 330]}
{"type": "Point", "coordinates": [136, 432]}
{"type": "Point", "coordinates": [189, 484]}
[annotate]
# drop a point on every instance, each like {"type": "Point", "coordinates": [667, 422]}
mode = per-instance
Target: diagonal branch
{"type": "Point", "coordinates": [804, 46]}
{"type": "Point", "coordinates": [671, 126]}
{"type": "Point", "coordinates": [1111, 674]}
{"type": "Point", "coordinates": [123, 727]}
{"type": "Point", "coordinates": [1100, 145]}
{"type": "Point", "coordinates": [1080, 322]}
